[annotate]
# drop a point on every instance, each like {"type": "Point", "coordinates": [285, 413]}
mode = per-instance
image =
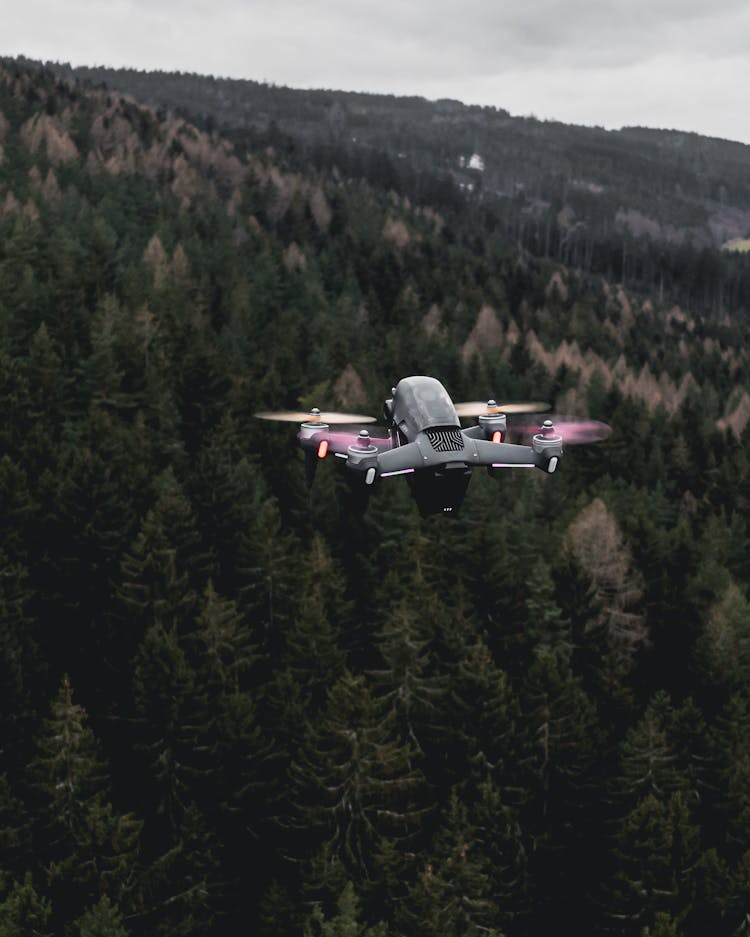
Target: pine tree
{"type": "Point", "coordinates": [594, 541]}
{"type": "Point", "coordinates": [344, 924]}
{"type": "Point", "coordinates": [657, 847]}
{"type": "Point", "coordinates": [230, 765]}
{"type": "Point", "coordinates": [19, 656]}
{"type": "Point", "coordinates": [648, 757]}
{"type": "Point", "coordinates": [547, 627]}
{"type": "Point", "coordinates": [48, 402]}
{"type": "Point", "coordinates": [15, 831]}
{"type": "Point", "coordinates": [85, 847]}
{"type": "Point", "coordinates": [161, 575]}
{"type": "Point", "coordinates": [453, 893]}
{"type": "Point", "coordinates": [729, 756]}
{"type": "Point", "coordinates": [506, 848]}
{"type": "Point", "coordinates": [723, 649]}
{"type": "Point", "coordinates": [163, 686]}
{"type": "Point", "coordinates": [312, 651]}
{"type": "Point", "coordinates": [486, 716]}
{"type": "Point", "coordinates": [24, 913]}
{"type": "Point", "coordinates": [357, 794]}
{"type": "Point", "coordinates": [267, 564]}
{"type": "Point", "coordinates": [101, 920]}
{"type": "Point", "coordinates": [559, 757]}
{"type": "Point", "coordinates": [408, 685]}
{"type": "Point", "coordinates": [97, 495]}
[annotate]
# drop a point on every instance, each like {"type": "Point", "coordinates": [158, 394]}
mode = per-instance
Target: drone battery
{"type": "Point", "coordinates": [440, 490]}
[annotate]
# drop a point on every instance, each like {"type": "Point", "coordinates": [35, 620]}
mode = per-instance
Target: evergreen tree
{"type": "Point", "coordinates": [85, 848]}
{"type": "Point", "coordinates": [101, 920]}
{"type": "Point", "coordinates": [181, 889]}
{"type": "Point", "coordinates": [559, 756]}
{"type": "Point", "coordinates": [163, 687]}
{"type": "Point", "coordinates": [548, 628]}
{"type": "Point", "coordinates": [161, 574]}
{"type": "Point", "coordinates": [267, 563]}
{"type": "Point", "coordinates": [657, 847]}
{"type": "Point", "coordinates": [506, 848]}
{"type": "Point", "coordinates": [228, 766]}
{"type": "Point", "coordinates": [648, 757]}
{"type": "Point", "coordinates": [724, 647]}
{"type": "Point", "coordinates": [486, 715]}
{"type": "Point", "coordinates": [346, 923]}
{"type": "Point", "coordinates": [24, 913]}
{"type": "Point", "coordinates": [594, 541]}
{"type": "Point", "coordinates": [453, 894]}
{"type": "Point", "coordinates": [358, 795]}
{"type": "Point", "coordinates": [408, 685]}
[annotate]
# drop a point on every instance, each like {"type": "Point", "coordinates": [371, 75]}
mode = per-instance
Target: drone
{"type": "Point", "coordinates": [423, 440]}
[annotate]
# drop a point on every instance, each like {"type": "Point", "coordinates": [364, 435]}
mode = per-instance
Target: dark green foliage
{"type": "Point", "coordinates": [292, 717]}
{"type": "Point", "coordinates": [23, 913]}
{"type": "Point", "coordinates": [358, 794]}
{"type": "Point", "coordinates": [657, 847]}
{"type": "Point", "coordinates": [346, 923]}
{"type": "Point", "coordinates": [101, 920]}
{"type": "Point", "coordinates": [83, 847]}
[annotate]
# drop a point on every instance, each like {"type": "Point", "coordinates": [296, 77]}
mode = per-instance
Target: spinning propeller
{"type": "Point", "coordinates": [313, 416]}
{"type": "Point", "coordinates": [491, 408]}
{"type": "Point", "coordinates": [573, 431]}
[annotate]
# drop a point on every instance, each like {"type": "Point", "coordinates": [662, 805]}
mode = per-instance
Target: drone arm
{"type": "Point", "coordinates": [400, 460]}
{"type": "Point", "coordinates": [503, 453]}
{"type": "Point", "coordinates": [509, 455]}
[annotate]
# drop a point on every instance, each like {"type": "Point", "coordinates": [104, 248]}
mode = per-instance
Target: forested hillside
{"type": "Point", "coordinates": [650, 208]}
{"type": "Point", "coordinates": [233, 706]}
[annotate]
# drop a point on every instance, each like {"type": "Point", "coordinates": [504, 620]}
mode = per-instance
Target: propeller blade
{"type": "Point", "coordinates": [490, 408]}
{"type": "Point", "coordinates": [313, 416]}
{"type": "Point", "coordinates": [574, 431]}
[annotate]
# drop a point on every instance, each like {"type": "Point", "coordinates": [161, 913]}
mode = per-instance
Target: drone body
{"type": "Point", "coordinates": [425, 442]}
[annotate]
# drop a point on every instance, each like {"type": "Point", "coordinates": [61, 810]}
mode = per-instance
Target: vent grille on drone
{"type": "Point", "coordinates": [446, 440]}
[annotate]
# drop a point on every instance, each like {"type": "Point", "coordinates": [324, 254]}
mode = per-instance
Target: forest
{"type": "Point", "coordinates": [233, 705]}
{"type": "Point", "coordinates": [644, 207]}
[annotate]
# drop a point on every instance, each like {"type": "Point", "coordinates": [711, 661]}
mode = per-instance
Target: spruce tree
{"type": "Point", "coordinates": [657, 845]}
{"type": "Point", "coordinates": [180, 887]}
{"type": "Point", "coordinates": [357, 794]}
{"type": "Point", "coordinates": [84, 846]}
{"type": "Point", "coordinates": [408, 684]}
{"type": "Point", "coordinates": [101, 920]}
{"type": "Point", "coordinates": [24, 912]}
{"type": "Point", "coordinates": [454, 892]}
{"type": "Point", "coordinates": [346, 923]}
{"type": "Point", "coordinates": [559, 756]}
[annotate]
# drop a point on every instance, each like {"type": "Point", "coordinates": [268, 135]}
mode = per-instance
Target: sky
{"type": "Point", "coordinates": [677, 64]}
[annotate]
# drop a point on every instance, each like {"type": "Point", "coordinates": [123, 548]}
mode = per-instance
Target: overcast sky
{"type": "Point", "coordinates": [682, 64]}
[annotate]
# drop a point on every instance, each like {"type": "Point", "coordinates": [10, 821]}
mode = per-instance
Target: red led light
{"type": "Point", "coordinates": [323, 449]}
{"type": "Point", "coordinates": [497, 436]}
